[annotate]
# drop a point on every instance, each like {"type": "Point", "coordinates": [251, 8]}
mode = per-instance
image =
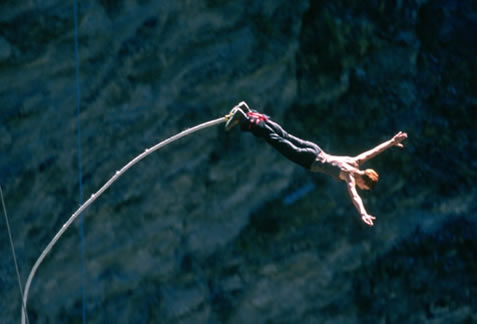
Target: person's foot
{"type": "Point", "coordinates": [235, 116]}
{"type": "Point", "coordinates": [245, 108]}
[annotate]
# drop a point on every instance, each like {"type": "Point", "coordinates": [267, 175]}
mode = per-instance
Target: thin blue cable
{"type": "Point", "coordinates": [80, 176]}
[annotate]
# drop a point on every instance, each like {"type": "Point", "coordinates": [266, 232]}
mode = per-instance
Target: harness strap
{"type": "Point", "coordinates": [256, 118]}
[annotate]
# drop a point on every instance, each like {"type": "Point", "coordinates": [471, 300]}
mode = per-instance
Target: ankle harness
{"type": "Point", "coordinates": [256, 118]}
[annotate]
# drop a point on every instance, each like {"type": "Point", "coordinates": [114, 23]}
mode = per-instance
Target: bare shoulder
{"type": "Point", "coordinates": [348, 178]}
{"type": "Point", "coordinates": [357, 160]}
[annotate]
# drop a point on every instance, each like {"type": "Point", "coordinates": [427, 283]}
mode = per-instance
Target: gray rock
{"type": "Point", "coordinates": [202, 231]}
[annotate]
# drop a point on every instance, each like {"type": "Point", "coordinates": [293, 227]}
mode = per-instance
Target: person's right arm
{"type": "Point", "coordinates": [357, 201]}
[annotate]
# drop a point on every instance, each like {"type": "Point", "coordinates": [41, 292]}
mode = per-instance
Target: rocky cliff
{"type": "Point", "coordinates": [219, 228]}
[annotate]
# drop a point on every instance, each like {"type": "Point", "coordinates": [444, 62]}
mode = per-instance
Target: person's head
{"type": "Point", "coordinates": [367, 179]}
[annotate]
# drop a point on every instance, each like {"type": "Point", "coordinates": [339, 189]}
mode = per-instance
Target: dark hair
{"type": "Point", "coordinates": [370, 178]}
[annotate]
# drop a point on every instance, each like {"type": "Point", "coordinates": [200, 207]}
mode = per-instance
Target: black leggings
{"type": "Point", "coordinates": [297, 150]}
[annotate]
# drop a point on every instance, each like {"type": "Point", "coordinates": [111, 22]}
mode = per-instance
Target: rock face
{"type": "Point", "coordinates": [219, 228]}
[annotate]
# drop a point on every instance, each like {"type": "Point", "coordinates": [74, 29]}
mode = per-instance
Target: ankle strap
{"type": "Point", "coordinates": [256, 117]}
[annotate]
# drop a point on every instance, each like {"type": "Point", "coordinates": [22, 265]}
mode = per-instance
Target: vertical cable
{"type": "Point", "coordinates": [80, 176]}
{"type": "Point", "coordinates": [13, 252]}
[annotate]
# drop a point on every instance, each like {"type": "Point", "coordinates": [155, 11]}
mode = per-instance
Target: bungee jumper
{"type": "Point", "coordinates": [305, 153]}
{"type": "Point", "coordinates": [310, 156]}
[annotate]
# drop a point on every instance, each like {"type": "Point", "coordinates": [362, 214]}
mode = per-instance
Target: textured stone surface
{"type": "Point", "coordinates": [218, 228]}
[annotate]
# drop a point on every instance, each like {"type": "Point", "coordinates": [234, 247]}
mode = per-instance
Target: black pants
{"type": "Point", "coordinates": [297, 150]}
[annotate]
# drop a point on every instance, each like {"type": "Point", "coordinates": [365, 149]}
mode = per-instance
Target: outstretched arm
{"type": "Point", "coordinates": [395, 141]}
{"type": "Point", "coordinates": [357, 201]}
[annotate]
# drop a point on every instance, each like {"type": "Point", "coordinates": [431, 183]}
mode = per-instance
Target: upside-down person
{"type": "Point", "coordinates": [311, 156]}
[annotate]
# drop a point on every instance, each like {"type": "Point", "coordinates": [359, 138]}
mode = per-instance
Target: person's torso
{"type": "Point", "coordinates": [337, 167]}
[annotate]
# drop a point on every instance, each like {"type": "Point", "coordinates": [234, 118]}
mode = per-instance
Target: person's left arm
{"type": "Point", "coordinates": [357, 201]}
{"type": "Point", "coordinates": [395, 141]}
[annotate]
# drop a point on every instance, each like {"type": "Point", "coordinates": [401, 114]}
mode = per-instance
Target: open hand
{"type": "Point", "coordinates": [368, 219]}
{"type": "Point", "coordinates": [398, 138]}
